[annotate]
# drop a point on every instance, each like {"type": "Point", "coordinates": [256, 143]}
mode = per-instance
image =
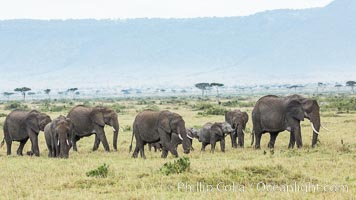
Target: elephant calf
{"type": "Point", "coordinates": [20, 126]}
{"type": "Point", "coordinates": [212, 133]}
{"type": "Point", "coordinates": [57, 135]}
{"type": "Point", "coordinates": [237, 120]}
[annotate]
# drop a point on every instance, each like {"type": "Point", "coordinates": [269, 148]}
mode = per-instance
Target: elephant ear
{"type": "Point", "coordinates": [309, 104]}
{"type": "Point", "coordinates": [32, 121]}
{"type": "Point", "coordinates": [295, 110]}
{"type": "Point", "coordinates": [97, 117]}
{"type": "Point", "coordinates": [245, 117]}
{"type": "Point", "coordinates": [165, 123]}
{"type": "Point", "coordinates": [216, 128]}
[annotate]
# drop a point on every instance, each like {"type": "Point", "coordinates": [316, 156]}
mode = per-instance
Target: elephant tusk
{"type": "Point", "coordinates": [180, 137]}
{"type": "Point", "coordinates": [58, 143]}
{"type": "Point", "coordinates": [312, 125]}
{"type": "Point", "coordinates": [114, 130]}
{"type": "Point", "coordinates": [188, 137]}
{"type": "Point", "coordinates": [243, 132]}
{"type": "Point", "coordinates": [324, 128]}
{"type": "Point", "coordinates": [67, 142]}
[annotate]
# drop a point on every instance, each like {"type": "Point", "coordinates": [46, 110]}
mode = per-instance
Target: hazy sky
{"type": "Point", "coordinates": [99, 9]}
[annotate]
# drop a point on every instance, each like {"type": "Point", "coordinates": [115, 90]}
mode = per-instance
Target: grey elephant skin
{"type": "Point", "coordinates": [176, 140]}
{"type": "Point", "coordinates": [275, 114]}
{"type": "Point", "coordinates": [154, 126]}
{"type": "Point", "coordinates": [214, 132]}
{"type": "Point", "coordinates": [91, 120]}
{"type": "Point", "coordinates": [238, 121]}
{"type": "Point", "coordinates": [23, 125]}
{"type": "Point", "coordinates": [58, 134]}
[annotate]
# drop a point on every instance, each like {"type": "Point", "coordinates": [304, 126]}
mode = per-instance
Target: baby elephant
{"type": "Point", "coordinates": [212, 133]}
{"type": "Point", "coordinates": [57, 135]}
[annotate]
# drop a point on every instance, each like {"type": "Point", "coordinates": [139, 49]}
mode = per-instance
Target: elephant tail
{"type": "Point", "coordinates": [131, 141]}
{"type": "Point", "coordinates": [2, 143]}
{"type": "Point", "coordinates": [253, 137]}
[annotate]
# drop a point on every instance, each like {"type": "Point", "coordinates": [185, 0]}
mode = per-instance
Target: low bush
{"type": "Point", "coordinates": [100, 172]}
{"type": "Point", "coordinates": [178, 166]}
{"type": "Point", "coordinates": [15, 105]}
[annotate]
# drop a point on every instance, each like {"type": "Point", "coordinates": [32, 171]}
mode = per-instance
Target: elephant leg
{"type": "Point", "coordinates": [298, 135]}
{"type": "Point", "coordinates": [241, 139]}
{"type": "Point", "coordinates": [101, 135]}
{"type": "Point", "coordinates": [150, 147]}
{"type": "Point", "coordinates": [315, 139]}
{"type": "Point", "coordinates": [166, 142]}
{"type": "Point", "coordinates": [203, 145]}
{"type": "Point", "coordinates": [34, 144]}
{"type": "Point", "coordinates": [8, 145]}
{"type": "Point", "coordinates": [96, 143]}
{"type": "Point", "coordinates": [291, 140]}
{"type": "Point", "coordinates": [164, 153]}
{"type": "Point", "coordinates": [191, 142]}
{"type": "Point", "coordinates": [273, 136]}
{"type": "Point", "coordinates": [141, 147]}
{"type": "Point", "coordinates": [74, 142]}
{"type": "Point", "coordinates": [233, 137]}
{"type": "Point", "coordinates": [213, 143]}
{"type": "Point", "coordinates": [258, 140]}
{"type": "Point", "coordinates": [135, 153]}
{"type": "Point", "coordinates": [22, 144]}
{"type": "Point", "coordinates": [222, 145]}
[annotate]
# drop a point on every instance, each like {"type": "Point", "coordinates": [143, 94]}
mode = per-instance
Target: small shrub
{"type": "Point", "coordinates": [178, 166]}
{"type": "Point", "coordinates": [3, 115]}
{"type": "Point", "coordinates": [216, 111]}
{"type": "Point", "coordinates": [101, 172]}
{"type": "Point", "coordinates": [15, 105]}
{"type": "Point", "coordinates": [118, 108]}
{"type": "Point", "coordinates": [151, 107]}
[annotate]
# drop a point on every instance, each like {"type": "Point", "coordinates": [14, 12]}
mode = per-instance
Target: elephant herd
{"type": "Point", "coordinates": [162, 130]}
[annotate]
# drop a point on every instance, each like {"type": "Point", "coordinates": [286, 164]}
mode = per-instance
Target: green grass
{"type": "Point", "coordinates": [332, 162]}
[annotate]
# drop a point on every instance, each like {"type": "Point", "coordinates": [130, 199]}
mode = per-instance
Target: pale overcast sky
{"type": "Point", "coordinates": [114, 9]}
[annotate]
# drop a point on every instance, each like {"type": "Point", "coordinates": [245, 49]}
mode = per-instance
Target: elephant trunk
{"type": "Point", "coordinates": [315, 120]}
{"type": "Point", "coordinates": [186, 142]}
{"type": "Point", "coordinates": [116, 133]}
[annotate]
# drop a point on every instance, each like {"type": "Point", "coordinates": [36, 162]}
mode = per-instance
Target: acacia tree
{"type": "Point", "coordinates": [72, 90]}
{"type": "Point", "coordinates": [202, 87]}
{"type": "Point", "coordinates": [8, 94]}
{"type": "Point", "coordinates": [47, 91]}
{"type": "Point", "coordinates": [338, 86]}
{"type": "Point", "coordinates": [23, 91]}
{"type": "Point", "coordinates": [217, 85]}
{"type": "Point", "coordinates": [352, 85]}
{"type": "Point", "coordinates": [320, 84]}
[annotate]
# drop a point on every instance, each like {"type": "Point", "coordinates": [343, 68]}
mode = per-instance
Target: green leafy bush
{"type": "Point", "coordinates": [118, 108]}
{"type": "Point", "coordinates": [178, 166]}
{"type": "Point", "coordinates": [15, 105]}
{"type": "Point", "coordinates": [101, 172]}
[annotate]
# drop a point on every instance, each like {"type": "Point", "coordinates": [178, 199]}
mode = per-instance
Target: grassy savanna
{"type": "Point", "coordinates": [331, 163]}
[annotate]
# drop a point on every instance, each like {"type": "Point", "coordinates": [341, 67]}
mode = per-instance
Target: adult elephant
{"type": "Point", "coordinates": [275, 114]}
{"type": "Point", "coordinates": [237, 120]}
{"type": "Point", "coordinates": [91, 120]}
{"type": "Point", "coordinates": [20, 126]}
{"type": "Point", "coordinates": [214, 132]}
{"type": "Point", "coordinates": [153, 126]}
{"type": "Point", "coordinates": [57, 135]}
